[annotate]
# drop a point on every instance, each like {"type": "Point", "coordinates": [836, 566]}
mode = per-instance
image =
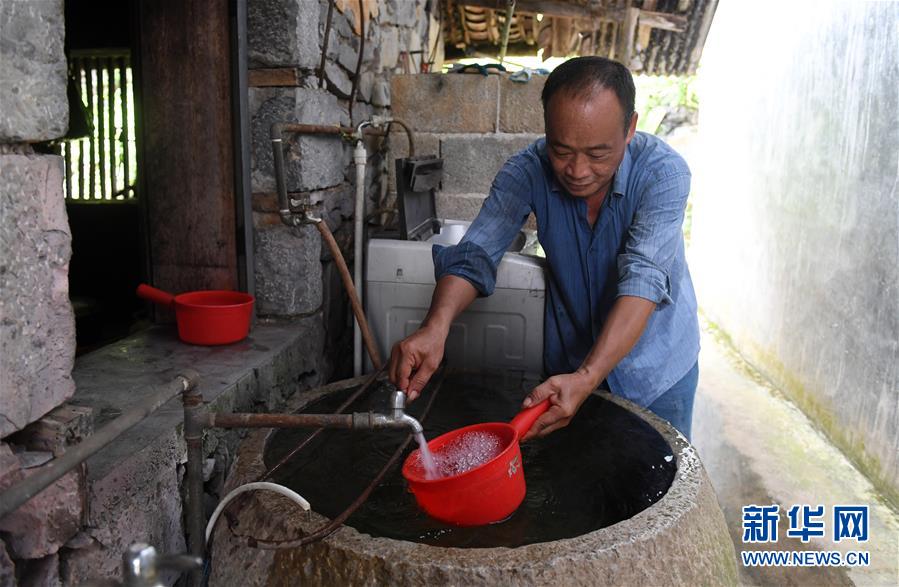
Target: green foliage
{"type": "Point", "coordinates": [656, 95]}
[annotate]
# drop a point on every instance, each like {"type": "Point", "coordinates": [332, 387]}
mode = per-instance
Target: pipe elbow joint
{"type": "Point", "coordinates": [276, 131]}
{"type": "Point", "coordinates": [411, 422]}
{"type": "Point", "coordinates": [287, 217]}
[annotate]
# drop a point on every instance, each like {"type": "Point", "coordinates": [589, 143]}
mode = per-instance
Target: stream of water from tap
{"type": "Point", "coordinates": [427, 459]}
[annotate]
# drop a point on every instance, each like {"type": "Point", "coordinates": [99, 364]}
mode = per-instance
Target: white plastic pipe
{"type": "Point", "coordinates": [359, 158]}
{"type": "Point", "coordinates": [288, 493]}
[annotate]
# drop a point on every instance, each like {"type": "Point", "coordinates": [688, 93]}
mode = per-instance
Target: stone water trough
{"type": "Point", "coordinates": [680, 539]}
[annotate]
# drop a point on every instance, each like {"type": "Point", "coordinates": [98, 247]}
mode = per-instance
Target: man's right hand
{"type": "Point", "coordinates": [414, 359]}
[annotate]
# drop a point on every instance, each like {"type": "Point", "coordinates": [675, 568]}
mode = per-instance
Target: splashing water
{"type": "Point", "coordinates": [427, 459]}
{"type": "Point", "coordinates": [466, 452]}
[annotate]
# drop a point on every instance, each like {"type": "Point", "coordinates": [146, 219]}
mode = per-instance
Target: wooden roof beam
{"type": "Point", "coordinates": [648, 18]}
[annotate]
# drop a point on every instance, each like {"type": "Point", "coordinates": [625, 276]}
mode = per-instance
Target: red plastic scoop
{"type": "Point", "coordinates": [484, 493]}
{"type": "Point", "coordinates": [206, 317]}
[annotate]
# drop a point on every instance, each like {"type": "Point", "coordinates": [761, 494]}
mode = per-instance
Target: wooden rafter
{"type": "Point", "coordinates": [648, 18]}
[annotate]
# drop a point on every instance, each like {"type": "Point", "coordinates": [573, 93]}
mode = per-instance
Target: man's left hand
{"type": "Point", "coordinates": [566, 393]}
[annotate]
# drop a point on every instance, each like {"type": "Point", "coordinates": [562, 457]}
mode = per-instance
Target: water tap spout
{"type": "Point", "coordinates": [397, 418]}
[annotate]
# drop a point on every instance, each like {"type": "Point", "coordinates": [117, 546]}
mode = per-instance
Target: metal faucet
{"type": "Point", "coordinates": [142, 566]}
{"type": "Point", "coordinates": [398, 418]}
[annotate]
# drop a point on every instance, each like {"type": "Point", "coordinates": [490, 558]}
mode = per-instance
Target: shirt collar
{"type": "Point", "coordinates": [619, 182]}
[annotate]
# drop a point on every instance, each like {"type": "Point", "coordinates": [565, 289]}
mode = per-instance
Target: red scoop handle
{"type": "Point", "coordinates": [155, 295]}
{"type": "Point", "coordinates": [526, 418]}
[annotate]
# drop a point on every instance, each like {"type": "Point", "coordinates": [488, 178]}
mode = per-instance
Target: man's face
{"type": "Point", "coordinates": [586, 140]}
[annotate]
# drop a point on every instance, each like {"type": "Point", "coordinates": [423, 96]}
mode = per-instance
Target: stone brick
{"type": "Point", "coordinates": [366, 83]}
{"type": "Point", "coordinates": [520, 108]}
{"type": "Point", "coordinates": [7, 567]}
{"type": "Point", "coordinates": [47, 521]}
{"type": "Point", "coordinates": [62, 427]}
{"type": "Point", "coordinates": [33, 103]}
{"type": "Point", "coordinates": [425, 143]}
{"type": "Point", "coordinates": [43, 572]}
{"type": "Point", "coordinates": [288, 270]}
{"type": "Point", "coordinates": [459, 206]}
{"type": "Point", "coordinates": [389, 50]}
{"type": "Point", "coordinates": [471, 162]}
{"type": "Point", "coordinates": [283, 33]}
{"type": "Point", "coordinates": [137, 501]}
{"type": "Point", "coordinates": [336, 205]}
{"type": "Point", "coordinates": [309, 161]}
{"type": "Point", "coordinates": [344, 51]}
{"type": "Point", "coordinates": [436, 102]}
{"type": "Point", "coordinates": [338, 80]}
{"type": "Point", "coordinates": [405, 13]}
{"type": "Point", "coordinates": [297, 368]}
{"type": "Point", "coordinates": [37, 326]}
{"type": "Point", "coordinates": [10, 469]}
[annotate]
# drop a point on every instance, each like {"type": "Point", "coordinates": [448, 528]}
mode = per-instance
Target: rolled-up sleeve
{"type": "Point", "coordinates": [653, 240]}
{"type": "Point", "coordinates": [502, 215]}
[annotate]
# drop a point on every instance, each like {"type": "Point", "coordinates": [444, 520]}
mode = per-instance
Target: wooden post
{"type": "Point", "coordinates": [625, 49]}
{"type": "Point", "coordinates": [644, 32]}
{"type": "Point", "coordinates": [188, 163]}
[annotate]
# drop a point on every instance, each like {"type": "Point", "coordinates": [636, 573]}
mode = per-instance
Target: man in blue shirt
{"type": "Point", "coordinates": [609, 204]}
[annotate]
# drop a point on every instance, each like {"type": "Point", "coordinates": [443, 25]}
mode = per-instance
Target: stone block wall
{"type": "Point", "coordinates": [295, 275]}
{"type": "Point", "coordinates": [474, 122]}
{"type": "Point", "coordinates": [37, 325]}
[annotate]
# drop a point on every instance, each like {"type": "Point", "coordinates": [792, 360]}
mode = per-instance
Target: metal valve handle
{"type": "Point", "coordinates": [142, 565]}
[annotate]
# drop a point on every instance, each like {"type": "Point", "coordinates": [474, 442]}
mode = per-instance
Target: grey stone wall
{"type": "Point", "coordinates": [37, 325]}
{"type": "Point", "coordinates": [33, 103]}
{"type": "Point", "coordinates": [295, 275]}
{"type": "Point", "coordinates": [474, 122]}
{"type": "Point", "coordinates": [794, 251]}
{"type": "Point", "coordinates": [37, 330]}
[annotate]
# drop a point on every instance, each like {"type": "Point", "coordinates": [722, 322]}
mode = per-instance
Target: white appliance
{"type": "Point", "coordinates": [503, 331]}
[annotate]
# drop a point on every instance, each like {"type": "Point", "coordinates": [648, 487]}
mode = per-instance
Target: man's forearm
{"type": "Point", "coordinates": [451, 296]}
{"type": "Point", "coordinates": [622, 330]}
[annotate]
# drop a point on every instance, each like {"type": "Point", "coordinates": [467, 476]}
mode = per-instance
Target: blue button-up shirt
{"type": "Point", "coordinates": [635, 248]}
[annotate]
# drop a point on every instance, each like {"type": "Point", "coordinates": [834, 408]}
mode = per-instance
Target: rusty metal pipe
{"type": "Point", "coordinates": [193, 437]}
{"type": "Point", "coordinates": [354, 421]}
{"type": "Point", "coordinates": [410, 136]}
{"type": "Point", "coordinates": [217, 420]}
{"type": "Point", "coordinates": [327, 129]}
{"type": "Point", "coordinates": [367, 338]}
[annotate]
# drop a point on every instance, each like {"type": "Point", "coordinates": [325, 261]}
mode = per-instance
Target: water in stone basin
{"type": "Point", "coordinates": [605, 467]}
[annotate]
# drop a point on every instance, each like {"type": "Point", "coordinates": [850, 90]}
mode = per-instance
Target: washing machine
{"type": "Point", "coordinates": [501, 331]}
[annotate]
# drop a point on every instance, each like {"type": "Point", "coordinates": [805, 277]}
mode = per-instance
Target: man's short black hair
{"type": "Point", "coordinates": [581, 76]}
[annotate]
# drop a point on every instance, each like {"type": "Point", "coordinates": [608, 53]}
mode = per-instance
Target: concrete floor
{"type": "Point", "coordinates": [758, 448]}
